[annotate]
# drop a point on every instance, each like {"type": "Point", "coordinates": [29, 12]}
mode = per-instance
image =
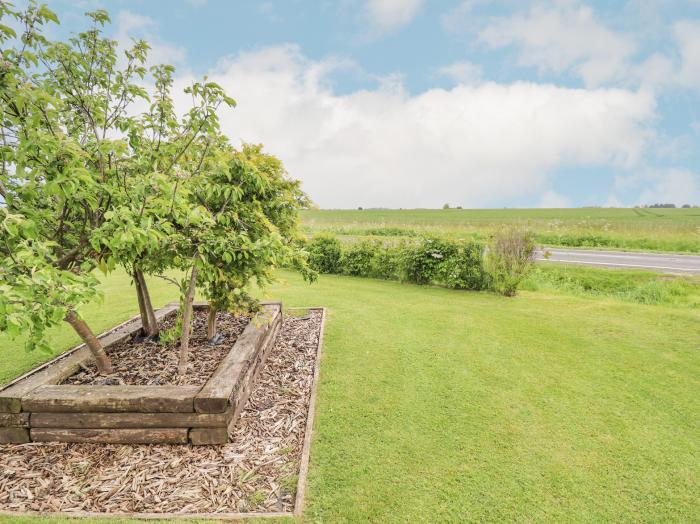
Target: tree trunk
{"type": "Point", "coordinates": [211, 323]}
{"type": "Point", "coordinates": [104, 364]}
{"type": "Point", "coordinates": [148, 316]}
{"type": "Point", "coordinates": [187, 323]}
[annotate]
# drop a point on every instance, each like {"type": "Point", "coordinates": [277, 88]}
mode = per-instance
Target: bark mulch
{"type": "Point", "coordinates": [257, 471]}
{"type": "Point", "coordinates": [148, 363]}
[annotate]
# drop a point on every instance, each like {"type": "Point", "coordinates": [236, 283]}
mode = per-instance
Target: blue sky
{"type": "Point", "coordinates": [410, 103]}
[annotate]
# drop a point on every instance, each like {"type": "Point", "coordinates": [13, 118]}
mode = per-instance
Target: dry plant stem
{"type": "Point", "coordinates": [211, 323]}
{"type": "Point", "coordinates": [104, 364]}
{"type": "Point", "coordinates": [187, 323]}
{"type": "Point", "coordinates": [148, 316]}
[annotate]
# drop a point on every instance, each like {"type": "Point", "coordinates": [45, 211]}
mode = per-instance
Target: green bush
{"type": "Point", "coordinates": [325, 252]}
{"type": "Point", "coordinates": [386, 263]}
{"type": "Point", "coordinates": [454, 264]}
{"type": "Point", "coordinates": [420, 262]}
{"type": "Point", "coordinates": [464, 268]}
{"type": "Point", "coordinates": [357, 259]}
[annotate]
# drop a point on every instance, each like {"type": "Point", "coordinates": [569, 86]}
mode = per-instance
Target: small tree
{"type": "Point", "coordinates": [252, 227]}
{"type": "Point", "coordinates": [510, 258]}
{"type": "Point", "coordinates": [58, 102]}
{"type": "Point", "coordinates": [86, 182]}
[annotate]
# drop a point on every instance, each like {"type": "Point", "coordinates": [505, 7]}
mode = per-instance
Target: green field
{"type": "Point", "coordinates": [562, 404]}
{"type": "Point", "coordinates": [633, 229]}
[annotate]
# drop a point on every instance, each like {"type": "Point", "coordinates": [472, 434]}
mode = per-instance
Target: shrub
{"type": "Point", "coordinates": [464, 268]}
{"type": "Point", "coordinates": [324, 254]}
{"type": "Point", "coordinates": [420, 263]}
{"type": "Point", "coordinates": [510, 258]}
{"type": "Point", "coordinates": [357, 259]}
{"type": "Point", "coordinates": [386, 263]}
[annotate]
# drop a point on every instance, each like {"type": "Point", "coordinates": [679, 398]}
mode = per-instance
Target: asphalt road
{"type": "Point", "coordinates": [664, 263]}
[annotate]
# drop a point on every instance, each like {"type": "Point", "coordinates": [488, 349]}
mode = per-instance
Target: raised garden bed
{"type": "Point", "coordinates": [260, 472]}
{"type": "Point", "coordinates": [64, 401]}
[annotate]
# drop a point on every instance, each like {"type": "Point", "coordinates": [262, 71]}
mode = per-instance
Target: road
{"type": "Point", "coordinates": [660, 262]}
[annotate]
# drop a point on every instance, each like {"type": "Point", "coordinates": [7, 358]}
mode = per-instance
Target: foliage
{"type": "Point", "coordinates": [386, 263]}
{"type": "Point", "coordinates": [54, 154]}
{"type": "Point", "coordinates": [454, 264]}
{"type": "Point", "coordinates": [510, 257]}
{"type": "Point", "coordinates": [356, 259]}
{"type": "Point", "coordinates": [90, 181]}
{"type": "Point", "coordinates": [464, 267]}
{"type": "Point", "coordinates": [421, 263]}
{"type": "Point", "coordinates": [325, 253]}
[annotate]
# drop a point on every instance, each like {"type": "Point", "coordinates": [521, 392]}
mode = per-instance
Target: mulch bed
{"type": "Point", "coordinates": [148, 363]}
{"type": "Point", "coordinates": [257, 471]}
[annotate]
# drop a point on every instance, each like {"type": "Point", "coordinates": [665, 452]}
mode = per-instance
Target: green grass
{"type": "Point", "coordinates": [118, 305]}
{"type": "Point", "coordinates": [633, 229]}
{"type": "Point", "coordinates": [438, 405]}
{"type": "Point", "coordinates": [642, 287]}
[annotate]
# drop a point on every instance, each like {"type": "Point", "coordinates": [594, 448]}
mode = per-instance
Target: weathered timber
{"type": "Point", "coordinates": [232, 372]}
{"type": "Point", "coordinates": [128, 420]}
{"type": "Point", "coordinates": [111, 399]}
{"type": "Point", "coordinates": [244, 388]}
{"type": "Point", "coordinates": [208, 436]}
{"type": "Point", "coordinates": [17, 420]}
{"type": "Point", "coordinates": [11, 397]}
{"type": "Point", "coordinates": [66, 365]}
{"type": "Point", "coordinates": [112, 436]}
{"type": "Point", "coordinates": [14, 435]}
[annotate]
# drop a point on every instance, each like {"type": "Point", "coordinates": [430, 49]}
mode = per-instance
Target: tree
{"type": "Point", "coordinates": [88, 182]}
{"type": "Point", "coordinates": [252, 227]}
{"type": "Point", "coordinates": [57, 105]}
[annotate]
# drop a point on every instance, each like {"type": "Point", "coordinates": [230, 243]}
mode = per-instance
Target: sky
{"type": "Point", "coordinates": [416, 103]}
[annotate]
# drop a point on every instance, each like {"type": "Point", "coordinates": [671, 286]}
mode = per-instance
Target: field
{"type": "Point", "coordinates": [567, 403]}
{"type": "Point", "coordinates": [676, 230]}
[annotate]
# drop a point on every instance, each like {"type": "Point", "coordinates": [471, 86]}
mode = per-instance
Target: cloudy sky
{"type": "Point", "coordinates": [410, 103]}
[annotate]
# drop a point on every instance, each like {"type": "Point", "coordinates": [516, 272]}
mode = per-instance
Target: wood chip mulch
{"type": "Point", "coordinates": [257, 471]}
{"type": "Point", "coordinates": [148, 363]}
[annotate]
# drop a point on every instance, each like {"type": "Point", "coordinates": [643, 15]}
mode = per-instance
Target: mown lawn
{"type": "Point", "coordinates": [439, 405]}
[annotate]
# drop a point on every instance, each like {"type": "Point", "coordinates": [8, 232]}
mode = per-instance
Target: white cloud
{"type": "Point", "coordinates": [661, 185]}
{"type": "Point", "coordinates": [676, 186]}
{"type": "Point", "coordinates": [462, 72]}
{"type": "Point", "coordinates": [613, 201]}
{"type": "Point", "coordinates": [552, 199]}
{"type": "Point", "coordinates": [132, 25]}
{"type": "Point", "coordinates": [387, 15]}
{"type": "Point", "coordinates": [687, 35]}
{"type": "Point", "coordinates": [563, 38]}
{"type": "Point", "coordinates": [471, 145]}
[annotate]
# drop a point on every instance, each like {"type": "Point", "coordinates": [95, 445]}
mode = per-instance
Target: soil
{"type": "Point", "coordinates": [257, 471]}
{"type": "Point", "coordinates": [150, 363]}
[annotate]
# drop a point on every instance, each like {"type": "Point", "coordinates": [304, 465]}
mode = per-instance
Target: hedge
{"type": "Point", "coordinates": [456, 264]}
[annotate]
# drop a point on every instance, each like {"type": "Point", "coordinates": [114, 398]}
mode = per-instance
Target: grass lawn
{"type": "Point", "coordinates": [438, 405]}
{"type": "Point", "coordinates": [632, 229]}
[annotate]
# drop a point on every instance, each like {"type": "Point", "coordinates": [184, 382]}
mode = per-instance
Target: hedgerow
{"type": "Point", "coordinates": [450, 263]}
